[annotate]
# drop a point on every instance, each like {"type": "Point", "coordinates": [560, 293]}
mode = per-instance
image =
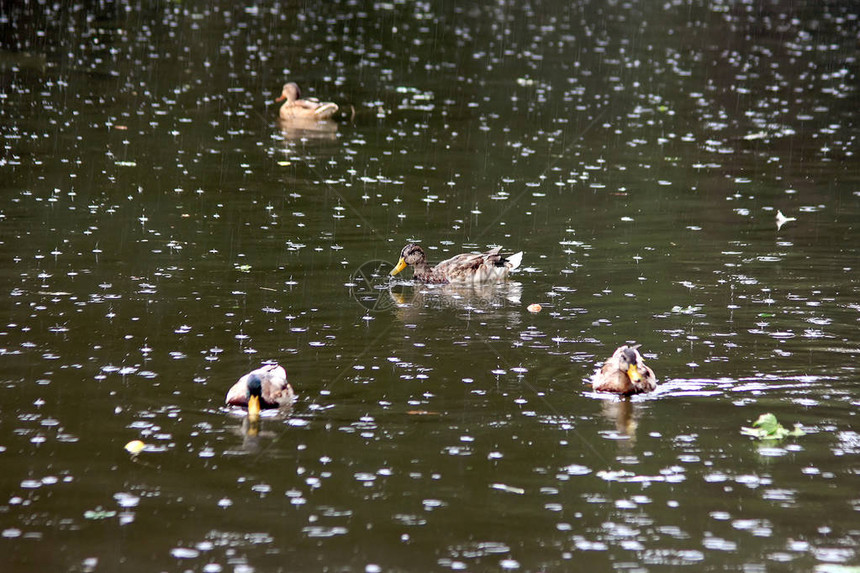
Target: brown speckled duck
{"type": "Point", "coordinates": [625, 373]}
{"type": "Point", "coordinates": [467, 268]}
{"type": "Point", "coordinates": [294, 107]}
{"type": "Point", "coordinates": [265, 387]}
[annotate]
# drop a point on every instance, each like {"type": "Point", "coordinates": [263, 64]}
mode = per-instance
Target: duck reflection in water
{"type": "Point", "coordinates": [410, 303]}
{"type": "Point", "coordinates": [306, 129]}
{"type": "Point", "coordinates": [623, 414]}
{"type": "Point", "coordinates": [254, 436]}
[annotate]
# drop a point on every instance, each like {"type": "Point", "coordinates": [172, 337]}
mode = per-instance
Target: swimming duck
{"type": "Point", "coordinates": [265, 387]}
{"type": "Point", "coordinates": [470, 268]}
{"type": "Point", "coordinates": [294, 107]}
{"type": "Point", "coordinates": [625, 373]}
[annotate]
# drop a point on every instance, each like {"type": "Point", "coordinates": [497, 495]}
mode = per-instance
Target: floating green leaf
{"type": "Point", "coordinates": [768, 428]}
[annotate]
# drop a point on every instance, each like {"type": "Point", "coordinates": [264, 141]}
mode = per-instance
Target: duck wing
{"type": "Point", "coordinates": [325, 110]}
{"type": "Point", "coordinates": [491, 266]}
{"type": "Point", "coordinates": [320, 110]}
{"type": "Point", "coordinates": [461, 266]}
{"type": "Point", "coordinates": [277, 392]}
{"type": "Point", "coordinates": [648, 382]}
{"type": "Point", "coordinates": [611, 378]}
{"type": "Point", "coordinates": [309, 109]}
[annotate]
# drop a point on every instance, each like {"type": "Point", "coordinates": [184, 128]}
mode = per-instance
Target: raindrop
{"type": "Point", "coordinates": [184, 553]}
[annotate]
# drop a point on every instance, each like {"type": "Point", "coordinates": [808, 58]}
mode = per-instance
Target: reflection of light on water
{"type": "Point", "coordinates": [480, 139]}
{"type": "Point", "coordinates": [673, 474]}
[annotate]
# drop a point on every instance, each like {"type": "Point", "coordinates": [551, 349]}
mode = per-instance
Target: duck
{"type": "Point", "coordinates": [265, 387]}
{"type": "Point", "coordinates": [467, 268]}
{"type": "Point", "coordinates": [294, 107]}
{"type": "Point", "coordinates": [625, 373]}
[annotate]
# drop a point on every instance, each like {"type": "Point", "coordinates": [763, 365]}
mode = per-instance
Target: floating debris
{"type": "Point", "coordinates": [134, 447]}
{"type": "Point", "coordinates": [99, 513]}
{"type": "Point", "coordinates": [782, 220]}
{"type": "Point", "coordinates": [768, 428]}
{"type": "Point", "coordinates": [535, 308]}
{"type": "Point", "coordinates": [686, 309]}
{"type": "Point", "coordinates": [508, 488]}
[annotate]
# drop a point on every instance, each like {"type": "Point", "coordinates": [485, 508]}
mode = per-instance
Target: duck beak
{"type": "Point", "coordinates": [280, 98]}
{"type": "Point", "coordinates": [253, 408]}
{"type": "Point", "coordinates": [633, 373]}
{"type": "Point", "coordinates": [400, 266]}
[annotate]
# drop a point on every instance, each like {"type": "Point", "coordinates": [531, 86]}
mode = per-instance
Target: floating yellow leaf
{"type": "Point", "coordinates": [134, 447]}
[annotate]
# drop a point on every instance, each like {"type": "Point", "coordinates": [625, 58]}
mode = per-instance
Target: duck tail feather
{"type": "Point", "coordinates": [515, 260]}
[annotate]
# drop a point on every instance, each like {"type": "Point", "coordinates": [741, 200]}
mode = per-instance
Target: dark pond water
{"type": "Point", "coordinates": [161, 234]}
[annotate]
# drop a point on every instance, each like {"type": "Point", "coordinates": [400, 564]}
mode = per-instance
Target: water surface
{"type": "Point", "coordinates": [163, 234]}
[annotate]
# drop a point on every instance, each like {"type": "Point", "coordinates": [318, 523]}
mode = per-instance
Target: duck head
{"type": "Point", "coordinates": [410, 255]}
{"type": "Point", "coordinates": [255, 391]}
{"type": "Point", "coordinates": [290, 92]}
{"type": "Point", "coordinates": [627, 361]}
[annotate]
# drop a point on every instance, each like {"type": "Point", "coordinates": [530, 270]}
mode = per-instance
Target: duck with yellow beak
{"type": "Point", "coordinates": [265, 387]}
{"type": "Point", "coordinates": [467, 268]}
{"type": "Point", "coordinates": [625, 373]}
